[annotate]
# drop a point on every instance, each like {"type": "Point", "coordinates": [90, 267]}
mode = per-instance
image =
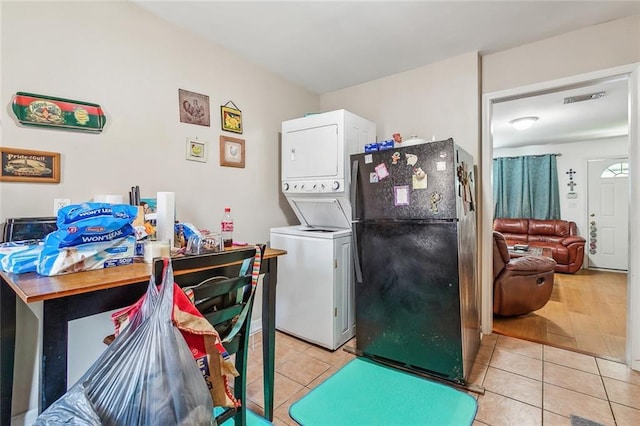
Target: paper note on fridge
{"type": "Point", "coordinates": [401, 195]}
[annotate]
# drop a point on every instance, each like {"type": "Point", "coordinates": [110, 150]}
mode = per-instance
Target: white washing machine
{"type": "Point", "coordinates": [315, 295]}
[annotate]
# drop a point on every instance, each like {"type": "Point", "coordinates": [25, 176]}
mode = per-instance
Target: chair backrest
{"type": "Point", "coordinates": [500, 253]}
{"type": "Point", "coordinates": [222, 292]}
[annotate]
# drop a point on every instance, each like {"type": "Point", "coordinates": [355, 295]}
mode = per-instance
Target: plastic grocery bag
{"type": "Point", "coordinates": [147, 376]}
{"type": "Point", "coordinates": [203, 340]}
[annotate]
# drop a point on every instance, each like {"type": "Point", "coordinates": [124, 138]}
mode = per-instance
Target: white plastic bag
{"type": "Point", "coordinates": [147, 376]}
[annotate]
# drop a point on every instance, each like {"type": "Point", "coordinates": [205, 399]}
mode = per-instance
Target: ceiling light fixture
{"type": "Point", "coordinates": [523, 123]}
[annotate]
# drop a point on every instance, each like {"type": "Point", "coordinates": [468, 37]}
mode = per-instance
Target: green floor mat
{"type": "Point", "coordinates": [367, 393]}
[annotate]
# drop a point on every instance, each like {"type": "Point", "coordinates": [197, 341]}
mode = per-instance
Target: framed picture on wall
{"type": "Point", "coordinates": [194, 108]}
{"type": "Point", "coordinates": [22, 165]}
{"type": "Point", "coordinates": [197, 150]}
{"type": "Point", "coordinates": [231, 152]}
{"type": "Point", "coordinates": [231, 118]}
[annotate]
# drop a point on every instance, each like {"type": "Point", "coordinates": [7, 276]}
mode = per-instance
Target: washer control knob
{"type": "Point", "coordinates": [285, 186]}
{"type": "Point", "coordinates": [336, 185]}
{"type": "Point", "coordinates": [302, 186]}
{"type": "Point", "coordinates": [322, 186]}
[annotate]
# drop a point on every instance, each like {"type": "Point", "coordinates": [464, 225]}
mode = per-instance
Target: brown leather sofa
{"type": "Point", "coordinates": [520, 285]}
{"type": "Point", "coordinates": [561, 236]}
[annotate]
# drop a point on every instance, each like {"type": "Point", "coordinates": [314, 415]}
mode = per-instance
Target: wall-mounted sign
{"type": "Point", "coordinates": [47, 111]}
{"type": "Point", "coordinates": [21, 165]}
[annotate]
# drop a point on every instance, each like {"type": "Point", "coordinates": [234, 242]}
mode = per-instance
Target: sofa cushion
{"type": "Point", "coordinates": [549, 239]}
{"type": "Point", "coordinates": [511, 226]}
{"type": "Point", "coordinates": [559, 228]}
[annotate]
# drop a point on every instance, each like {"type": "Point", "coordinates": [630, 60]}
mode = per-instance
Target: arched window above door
{"type": "Point", "coordinates": [616, 170]}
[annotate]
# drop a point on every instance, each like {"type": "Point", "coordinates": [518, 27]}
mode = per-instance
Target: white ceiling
{"type": "Point", "coordinates": [329, 45]}
{"type": "Point", "coordinates": [561, 123]}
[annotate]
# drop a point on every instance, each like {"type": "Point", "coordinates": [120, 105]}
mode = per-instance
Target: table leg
{"type": "Point", "coordinates": [53, 370]}
{"type": "Point", "coordinates": [7, 349]}
{"type": "Point", "coordinates": [269, 334]}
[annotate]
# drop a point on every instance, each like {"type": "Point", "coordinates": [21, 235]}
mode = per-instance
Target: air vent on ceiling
{"type": "Point", "coordinates": [580, 98]}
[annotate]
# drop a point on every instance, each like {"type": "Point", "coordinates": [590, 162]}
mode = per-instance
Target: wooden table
{"type": "Point", "coordinates": [69, 297]}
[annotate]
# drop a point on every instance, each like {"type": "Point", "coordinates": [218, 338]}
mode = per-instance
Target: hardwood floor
{"type": "Point", "coordinates": [587, 312]}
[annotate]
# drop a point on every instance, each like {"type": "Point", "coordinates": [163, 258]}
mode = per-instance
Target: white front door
{"type": "Point", "coordinates": [608, 237]}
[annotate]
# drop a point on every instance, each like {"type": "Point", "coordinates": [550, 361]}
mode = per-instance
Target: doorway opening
{"type": "Point", "coordinates": [630, 75]}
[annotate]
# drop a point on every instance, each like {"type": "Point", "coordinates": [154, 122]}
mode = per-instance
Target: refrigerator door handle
{"type": "Point", "coordinates": [356, 254]}
{"type": "Point", "coordinates": [354, 214]}
{"type": "Point", "coordinates": [354, 189]}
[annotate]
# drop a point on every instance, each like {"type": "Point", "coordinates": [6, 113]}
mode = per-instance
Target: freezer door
{"type": "Point", "coordinates": [408, 303]}
{"type": "Point", "coordinates": [416, 182]}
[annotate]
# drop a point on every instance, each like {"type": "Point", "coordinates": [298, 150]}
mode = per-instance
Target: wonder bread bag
{"type": "Point", "coordinates": [89, 236]}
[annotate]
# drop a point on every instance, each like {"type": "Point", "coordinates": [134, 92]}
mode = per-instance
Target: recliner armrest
{"type": "Point", "coordinates": [570, 240]}
{"type": "Point", "coordinates": [531, 264]}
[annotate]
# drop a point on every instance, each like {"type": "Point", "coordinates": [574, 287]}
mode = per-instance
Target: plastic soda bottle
{"type": "Point", "coordinates": [226, 227]}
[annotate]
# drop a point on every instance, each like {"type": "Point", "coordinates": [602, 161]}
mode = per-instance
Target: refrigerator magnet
{"type": "Point", "coordinates": [434, 200]}
{"type": "Point", "coordinates": [368, 159]}
{"type": "Point", "coordinates": [401, 195]}
{"type": "Point", "coordinates": [441, 166]}
{"type": "Point", "coordinates": [419, 179]}
{"type": "Point", "coordinates": [412, 159]}
{"type": "Point", "coordinates": [381, 171]}
{"type": "Point", "coordinates": [395, 158]}
{"type": "Point", "coordinates": [373, 177]}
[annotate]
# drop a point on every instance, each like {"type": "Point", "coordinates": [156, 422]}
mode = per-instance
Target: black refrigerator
{"type": "Point", "coordinates": [414, 245]}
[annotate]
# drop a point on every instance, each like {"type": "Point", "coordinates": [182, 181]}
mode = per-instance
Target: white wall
{"type": "Point", "coordinates": [574, 156]}
{"type": "Point", "coordinates": [589, 49]}
{"type": "Point", "coordinates": [132, 64]}
{"type": "Point", "coordinates": [440, 100]}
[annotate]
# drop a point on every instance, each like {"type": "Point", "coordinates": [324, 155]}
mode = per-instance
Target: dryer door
{"type": "Point", "coordinates": [313, 153]}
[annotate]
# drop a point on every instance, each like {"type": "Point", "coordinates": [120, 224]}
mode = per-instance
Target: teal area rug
{"type": "Point", "coordinates": [364, 392]}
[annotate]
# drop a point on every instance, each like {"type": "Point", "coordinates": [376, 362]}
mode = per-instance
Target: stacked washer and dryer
{"type": "Point", "coordinates": [315, 296]}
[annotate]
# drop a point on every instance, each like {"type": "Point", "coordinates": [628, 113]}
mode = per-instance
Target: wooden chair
{"type": "Point", "coordinates": [221, 300]}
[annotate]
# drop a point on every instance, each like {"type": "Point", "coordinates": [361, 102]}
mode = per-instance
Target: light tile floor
{"type": "Point", "coordinates": [525, 383]}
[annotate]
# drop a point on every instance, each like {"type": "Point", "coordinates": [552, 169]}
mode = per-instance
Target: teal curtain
{"type": "Point", "coordinates": [526, 187]}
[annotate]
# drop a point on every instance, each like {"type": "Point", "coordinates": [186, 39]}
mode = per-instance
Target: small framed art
{"type": "Point", "coordinates": [231, 119]}
{"type": "Point", "coordinates": [22, 165]}
{"type": "Point", "coordinates": [194, 108]}
{"type": "Point", "coordinates": [197, 150]}
{"type": "Point", "coordinates": [231, 152]}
